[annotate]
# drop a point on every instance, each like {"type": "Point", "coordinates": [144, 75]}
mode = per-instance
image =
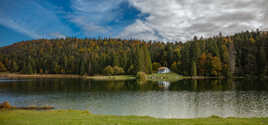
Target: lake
{"type": "Point", "coordinates": [181, 99]}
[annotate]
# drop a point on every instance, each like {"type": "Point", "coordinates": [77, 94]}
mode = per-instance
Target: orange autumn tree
{"type": "Point", "coordinates": [209, 65]}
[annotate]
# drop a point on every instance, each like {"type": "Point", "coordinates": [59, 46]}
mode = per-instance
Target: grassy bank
{"type": "Point", "coordinates": [109, 78]}
{"type": "Point", "coordinates": [72, 117]}
{"type": "Point", "coordinates": [170, 77]}
{"type": "Point", "coordinates": [203, 77]}
{"type": "Point", "coordinates": [152, 77]}
{"type": "Point", "coordinates": [15, 75]}
{"type": "Point", "coordinates": [118, 77]}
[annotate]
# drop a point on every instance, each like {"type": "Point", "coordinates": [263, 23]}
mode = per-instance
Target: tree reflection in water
{"type": "Point", "coordinates": [181, 99]}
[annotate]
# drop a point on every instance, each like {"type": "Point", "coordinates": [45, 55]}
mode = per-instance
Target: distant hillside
{"type": "Point", "coordinates": [244, 53]}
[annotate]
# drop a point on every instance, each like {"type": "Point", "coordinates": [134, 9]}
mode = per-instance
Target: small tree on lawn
{"type": "Point", "coordinates": [108, 70]}
{"type": "Point", "coordinates": [141, 76]}
{"type": "Point", "coordinates": [118, 70]}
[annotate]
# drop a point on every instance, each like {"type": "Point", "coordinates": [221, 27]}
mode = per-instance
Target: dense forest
{"type": "Point", "coordinates": [241, 54]}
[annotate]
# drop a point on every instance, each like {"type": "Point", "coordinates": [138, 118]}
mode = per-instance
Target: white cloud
{"type": "Point", "coordinates": [180, 20]}
{"type": "Point", "coordinates": [15, 26]}
{"type": "Point", "coordinates": [92, 16]}
{"type": "Point", "coordinates": [140, 30]}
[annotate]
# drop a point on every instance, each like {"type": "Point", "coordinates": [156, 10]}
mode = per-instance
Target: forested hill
{"type": "Point", "coordinates": [241, 54]}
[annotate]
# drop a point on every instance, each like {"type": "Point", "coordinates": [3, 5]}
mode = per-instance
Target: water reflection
{"type": "Point", "coordinates": [181, 99]}
{"type": "Point", "coordinates": [164, 84]}
{"type": "Point", "coordinates": [81, 85]}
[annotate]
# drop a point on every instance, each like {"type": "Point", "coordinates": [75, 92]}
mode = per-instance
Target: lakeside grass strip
{"type": "Point", "coordinates": [170, 77]}
{"type": "Point", "coordinates": [76, 117]}
{"type": "Point", "coordinates": [116, 77]}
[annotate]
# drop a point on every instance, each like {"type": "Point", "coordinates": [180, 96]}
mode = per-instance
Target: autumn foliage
{"type": "Point", "coordinates": [240, 54]}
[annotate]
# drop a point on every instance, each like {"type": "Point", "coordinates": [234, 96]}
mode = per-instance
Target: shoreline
{"type": "Point", "coordinates": [149, 77]}
{"type": "Point", "coordinates": [116, 78]}
{"type": "Point", "coordinates": [73, 117]}
{"type": "Point", "coordinates": [6, 106]}
{"type": "Point", "coordinates": [16, 75]}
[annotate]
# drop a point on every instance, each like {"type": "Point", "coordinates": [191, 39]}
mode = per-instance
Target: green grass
{"type": "Point", "coordinates": [116, 77]}
{"type": "Point", "coordinates": [73, 117]}
{"type": "Point", "coordinates": [110, 78]}
{"type": "Point", "coordinates": [170, 77]}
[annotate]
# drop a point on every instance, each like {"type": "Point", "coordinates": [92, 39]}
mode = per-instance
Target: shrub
{"type": "Point", "coordinates": [214, 116]}
{"type": "Point", "coordinates": [108, 70]}
{"type": "Point", "coordinates": [118, 70]}
{"type": "Point", "coordinates": [141, 76]}
{"type": "Point", "coordinates": [5, 105]}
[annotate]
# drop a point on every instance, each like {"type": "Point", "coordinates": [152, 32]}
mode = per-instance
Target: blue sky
{"type": "Point", "coordinates": [163, 20]}
{"type": "Point", "coordinates": [34, 19]}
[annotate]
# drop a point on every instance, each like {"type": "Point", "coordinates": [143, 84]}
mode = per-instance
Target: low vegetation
{"type": "Point", "coordinates": [169, 77]}
{"type": "Point", "coordinates": [99, 77]}
{"type": "Point", "coordinates": [16, 75]}
{"type": "Point", "coordinates": [141, 76]}
{"type": "Point", "coordinates": [112, 78]}
{"type": "Point", "coordinates": [74, 117]}
{"type": "Point", "coordinates": [6, 106]}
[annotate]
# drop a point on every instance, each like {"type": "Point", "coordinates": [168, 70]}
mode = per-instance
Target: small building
{"type": "Point", "coordinates": [162, 70]}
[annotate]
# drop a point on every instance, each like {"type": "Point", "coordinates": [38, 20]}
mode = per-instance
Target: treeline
{"type": "Point", "coordinates": [240, 54]}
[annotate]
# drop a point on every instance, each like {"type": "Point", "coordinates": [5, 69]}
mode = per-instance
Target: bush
{"type": "Point", "coordinates": [118, 70]}
{"type": "Point", "coordinates": [5, 105]}
{"type": "Point", "coordinates": [108, 70]}
{"type": "Point", "coordinates": [141, 76]}
{"type": "Point", "coordinates": [214, 116]}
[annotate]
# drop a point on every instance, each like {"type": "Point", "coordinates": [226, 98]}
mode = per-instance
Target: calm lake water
{"type": "Point", "coordinates": [181, 99]}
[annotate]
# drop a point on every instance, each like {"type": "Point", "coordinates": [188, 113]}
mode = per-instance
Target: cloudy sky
{"type": "Point", "coordinates": [163, 20]}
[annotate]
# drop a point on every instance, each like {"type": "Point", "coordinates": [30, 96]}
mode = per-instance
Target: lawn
{"type": "Point", "coordinates": [116, 77]}
{"type": "Point", "coordinates": [75, 117]}
{"type": "Point", "coordinates": [170, 77]}
{"type": "Point", "coordinates": [110, 78]}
